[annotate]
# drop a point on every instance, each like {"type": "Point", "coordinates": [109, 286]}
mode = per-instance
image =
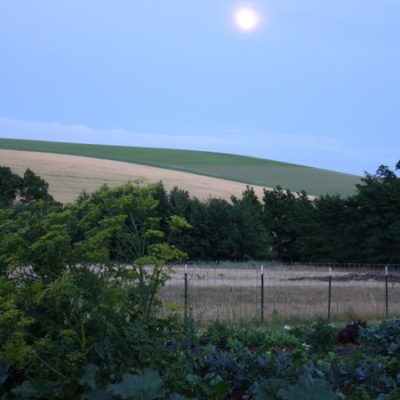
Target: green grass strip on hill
{"type": "Point", "coordinates": [249, 170]}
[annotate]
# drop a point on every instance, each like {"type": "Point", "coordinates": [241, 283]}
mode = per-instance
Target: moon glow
{"type": "Point", "coordinates": [246, 19]}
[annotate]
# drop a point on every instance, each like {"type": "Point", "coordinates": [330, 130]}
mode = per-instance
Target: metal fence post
{"type": "Point", "coordinates": [186, 292]}
{"type": "Point", "coordinates": [330, 294]}
{"type": "Point", "coordinates": [386, 293]}
{"type": "Point", "coordinates": [262, 293]}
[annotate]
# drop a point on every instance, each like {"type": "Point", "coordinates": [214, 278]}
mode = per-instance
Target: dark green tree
{"type": "Point", "coordinates": [163, 206]}
{"type": "Point", "coordinates": [195, 242]}
{"type": "Point", "coordinates": [286, 218]}
{"type": "Point", "coordinates": [222, 230]}
{"type": "Point", "coordinates": [250, 236]}
{"type": "Point", "coordinates": [34, 188]}
{"type": "Point", "coordinates": [180, 202]}
{"type": "Point", "coordinates": [213, 230]}
{"type": "Point", "coordinates": [326, 237]}
{"type": "Point", "coordinates": [378, 216]}
{"type": "Point", "coordinates": [10, 185]}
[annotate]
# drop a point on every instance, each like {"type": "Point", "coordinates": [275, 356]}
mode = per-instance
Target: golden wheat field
{"type": "Point", "coordinates": [69, 175]}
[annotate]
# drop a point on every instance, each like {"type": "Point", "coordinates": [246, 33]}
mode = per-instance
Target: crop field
{"type": "Point", "coordinates": [69, 175]}
{"type": "Point", "coordinates": [248, 170]}
{"type": "Point", "coordinates": [295, 293]}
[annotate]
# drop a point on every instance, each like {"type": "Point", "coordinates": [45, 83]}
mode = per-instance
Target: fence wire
{"type": "Point", "coordinates": [287, 292]}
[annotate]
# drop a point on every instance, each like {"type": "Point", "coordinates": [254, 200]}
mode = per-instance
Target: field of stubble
{"type": "Point", "coordinates": [297, 293]}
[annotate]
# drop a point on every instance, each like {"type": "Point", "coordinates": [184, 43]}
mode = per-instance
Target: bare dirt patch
{"type": "Point", "coordinates": [69, 175]}
{"type": "Point", "coordinates": [360, 277]}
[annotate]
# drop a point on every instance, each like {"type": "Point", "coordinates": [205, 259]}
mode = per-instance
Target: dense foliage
{"type": "Point", "coordinates": [364, 227]}
{"type": "Point", "coordinates": [285, 226]}
{"type": "Point", "coordinates": [26, 189]}
{"type": "Point", "coordinates": [79, 295]}
{"type": "Point", "coordinates": [84, 336]}
{"type": "Point", "coordinates": [282, 225]}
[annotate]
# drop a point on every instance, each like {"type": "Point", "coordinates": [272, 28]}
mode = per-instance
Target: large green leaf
{"type": "Point", "coordinates": [27, 390]}
{"type": "Point", "coordinates": [89, 376]}
{"type": "Point", "coordinates": [308, 389]}
{"type": "Point", "coordinates": [268, 390]}
{"type": "Point", "coordinates": [101, 394]}
{"type": "Point", "coordinates": [147, 386]}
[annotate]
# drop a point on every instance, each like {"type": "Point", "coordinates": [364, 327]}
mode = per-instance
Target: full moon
{"type": "Point", "coordinates": [247, 19]}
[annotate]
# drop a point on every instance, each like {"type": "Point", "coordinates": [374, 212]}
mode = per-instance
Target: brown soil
{"type": "Point", "coordinates": [363, 277]}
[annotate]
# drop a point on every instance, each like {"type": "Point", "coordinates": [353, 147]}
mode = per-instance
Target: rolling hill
{"type": "Point", "coordinates": [236, 168]}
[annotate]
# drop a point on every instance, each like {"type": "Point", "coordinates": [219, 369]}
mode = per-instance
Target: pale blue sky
{"type": "Point", "coordinates": [318, 83]}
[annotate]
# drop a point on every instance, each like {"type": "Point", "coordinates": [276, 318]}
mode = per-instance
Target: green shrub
{"type": "Point", "coordinates": [383, 340]}
{"type": "Point", "coordinates": [321, 336]}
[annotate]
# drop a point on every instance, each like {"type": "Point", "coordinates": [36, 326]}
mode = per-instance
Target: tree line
{"type": "Point", "coordinates": [109, 225]}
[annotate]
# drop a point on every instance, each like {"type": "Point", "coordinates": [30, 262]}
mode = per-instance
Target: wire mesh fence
{"type": "Point", "coordinates": [285, 292]}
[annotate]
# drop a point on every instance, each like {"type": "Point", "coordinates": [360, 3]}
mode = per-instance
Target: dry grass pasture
{"type": "Point", "coordinates": [295, 293]}
{"type": "Point", "coordinates": [68, 175]}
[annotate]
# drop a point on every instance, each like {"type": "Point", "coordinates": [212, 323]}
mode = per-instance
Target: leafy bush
{"type": "Point", "coordinates": [78, 319]}
{"type": "Point", "coordinates": [259, 340]}
{"type": "Point", "coordinates": [306, 388]}
{"type": "Point", "coordinates": [51, 333]}
{"type": "Point", "coordinates": [321, 336]}
{"type": "Point", "coordinates": [384, 340]}
{"type": "Point", "coordinates": [85, 337]}
{"type": "Point", "coordinates": [73, 314]}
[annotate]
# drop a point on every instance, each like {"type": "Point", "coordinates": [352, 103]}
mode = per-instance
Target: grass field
{"type": "Point", "coordinates": [69, 175]}
{"type": "Point", "coordinates": [249, 170]}
{"type": "Point", "coordinates": [297, 293]}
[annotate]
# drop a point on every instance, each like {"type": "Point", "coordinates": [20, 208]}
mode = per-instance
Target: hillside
{"type": "Point", "coordinates": [69, 175]}
{"type": "Point", "coordinates": [248, 170]}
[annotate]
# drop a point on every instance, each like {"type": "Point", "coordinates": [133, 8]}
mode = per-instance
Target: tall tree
{"type": "Point", "coordinates": [10, 185]}
{"type": "Point", "coordinates": [213, 232]}
{"type": "Point", "coordinates": [221, 230]}
{"type": "Point", "coordinates": [180, 202]}
{"type": "Point", "coordinates": [34, 188]}
{"type": "Point", "coordinates": [378, 216]}
{"type": "Point", "coordinates": [326, 236]}
{"type": "Point", "coordinates": [251, 238]}
{"type": "Point", "coordinates": [163, 206]}
{"type": "Point", "coordinates": [286, 217]}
